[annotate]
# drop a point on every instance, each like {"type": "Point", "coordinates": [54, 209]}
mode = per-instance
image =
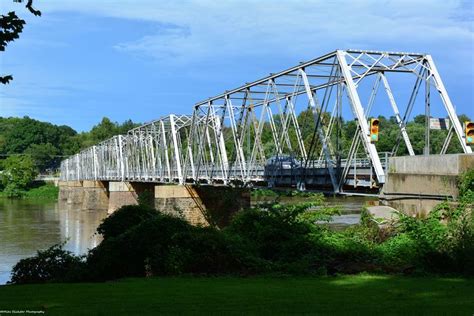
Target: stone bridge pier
{"type": "Point", "coordinates": [199, 205]}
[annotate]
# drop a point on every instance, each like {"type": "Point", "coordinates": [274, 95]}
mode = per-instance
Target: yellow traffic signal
{"type": "Point", "coordinates": [469, 130]}
{"type": "Point", "coordinates": [374, 130]}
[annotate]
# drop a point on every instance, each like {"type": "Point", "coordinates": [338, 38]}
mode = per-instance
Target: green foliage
{"type": "Point", "coordinates": [123, 219]}
{"type": "Point", "coordinates": [47, 144]}
{"type": "Point", "coordinates": [18, 172]}
{"type": "Point", "coordinates": [466, 184]}
{"type": "Point", "coordinates": [36, 191]}
{"type": "Point", "coordinates": [51, 265]}
{"type": "Point", "coordinates": [43, 191]}
{"type": "Point", "coordinates": [263, 193]}
{"type": "Point", "coordinates": [45, 156]}
{"type": "Point", "coordinates": [274, 238]}
{"type": "Point", "coordinates": [129, 253]}
{"type": "Point", "coordinates": [146, 199]}
{"type": "Point", "coordinates": [13, 191]}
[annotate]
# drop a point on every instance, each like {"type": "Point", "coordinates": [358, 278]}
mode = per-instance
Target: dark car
{"type": "Point", "coordinates": [281, 165]}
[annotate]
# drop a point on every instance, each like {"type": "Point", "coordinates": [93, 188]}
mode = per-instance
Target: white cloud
{"type": "Point", "coordinates": [206, 30]}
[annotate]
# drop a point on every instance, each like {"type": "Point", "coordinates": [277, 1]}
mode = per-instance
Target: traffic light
{"type": "Point", "coordinates": [469, 130]}
{"type": "Point", "coordinates": [374, 130]}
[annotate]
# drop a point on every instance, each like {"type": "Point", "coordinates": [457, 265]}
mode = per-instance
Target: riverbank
{"type": "Point", "coordinates": [44, 192]}
{"type": "Point", "coordinates": [342, 295]}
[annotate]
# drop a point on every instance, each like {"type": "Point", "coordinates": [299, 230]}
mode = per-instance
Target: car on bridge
{"type": "Point", "coordinates": [283, 165]}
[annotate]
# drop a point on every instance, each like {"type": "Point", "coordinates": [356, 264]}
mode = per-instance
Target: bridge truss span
{"type": "Point", "coordinates": [292, 120]}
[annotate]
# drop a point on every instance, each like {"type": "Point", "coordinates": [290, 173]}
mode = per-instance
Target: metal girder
{"type": "Point", "coordinates": [358, 111]}
{"type": "Point", "coordinates": [230, 137]}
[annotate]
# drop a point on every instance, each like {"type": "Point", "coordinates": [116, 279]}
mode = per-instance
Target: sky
{"type": "Point", "coordinates": [143, 59]}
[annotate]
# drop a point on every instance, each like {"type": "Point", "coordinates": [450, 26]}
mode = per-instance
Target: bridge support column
{"type": "Point", "coordinates": [201, 205]}
{"type": "Point", "coordinates": [126, 193]}
{"type": "Point", "coordinates": [71, 192]}
{"type": "Point", "coordinates": [84, 195]}
{"type": "Point", "coordinates": [95, 196]}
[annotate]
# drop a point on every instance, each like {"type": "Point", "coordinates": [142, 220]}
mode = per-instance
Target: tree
{"type": "Point", "coordinates": [10, 28]}
{"type": "Point", "coordinates": [18, 172]}
{"type": "Point", "coordinates": [45, 156]}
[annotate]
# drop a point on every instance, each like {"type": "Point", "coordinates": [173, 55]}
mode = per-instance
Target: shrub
{"type": "Point", "coordinates": [51, 265]}
{"type": "Point", "coordinates": [398, 252]}
{"type": "Point", "coordinates": [123, 219]}
{"type": "Point", "coordinates": [200, 250]}
{"type": "Point", "coordinates": [13, 191]}
{"type": "Point", "coordinates": [275, 234]}
{"type": "Point", "coordinates": [127, 254]}
{"type": "Point", "coordinates": [466, 182]}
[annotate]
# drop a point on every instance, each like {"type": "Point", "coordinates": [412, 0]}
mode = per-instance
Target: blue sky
{"type": "Point", "coordinates": [83, 60]}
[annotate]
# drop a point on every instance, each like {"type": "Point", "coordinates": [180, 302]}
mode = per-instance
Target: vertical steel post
{"type": "Point", "coordinates": [427, 115]}
{"type": "Point", "coordinates": [176, 149]}
{"type": "Point", "coordinates": [165, 147]}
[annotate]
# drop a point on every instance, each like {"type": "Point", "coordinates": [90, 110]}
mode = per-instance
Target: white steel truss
{"type": "Point", "coordinates": [232, 138]}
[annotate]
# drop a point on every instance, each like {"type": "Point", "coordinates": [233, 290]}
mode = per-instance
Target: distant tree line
{"type": "Point", "coordinates": [47, 144]}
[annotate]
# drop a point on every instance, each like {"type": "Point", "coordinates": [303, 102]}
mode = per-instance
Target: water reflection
{"type": "Point", "coordinates": [26, 226]}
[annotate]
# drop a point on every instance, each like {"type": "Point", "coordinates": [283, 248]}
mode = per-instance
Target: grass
{"type": "Point", "coordinates": [47, 191]}
{"type": "Point", "coordinates": [41, 191]}
{"type": "Point", "coordinates": [343, 295]}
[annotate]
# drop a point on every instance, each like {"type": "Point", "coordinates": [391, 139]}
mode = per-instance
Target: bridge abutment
{"type": "Point", "coordinates": [415, 184]}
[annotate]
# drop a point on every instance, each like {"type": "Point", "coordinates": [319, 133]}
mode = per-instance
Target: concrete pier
{"type": "Point", "coordinates": [95, 195]}
{"type": "Point", "coordinates": [201, 205]}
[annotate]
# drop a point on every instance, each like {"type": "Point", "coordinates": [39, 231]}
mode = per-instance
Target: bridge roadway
{"type": "Point", "coordinates": [229, 138]}
{"type": "Point", "coordinates": [314, 175]}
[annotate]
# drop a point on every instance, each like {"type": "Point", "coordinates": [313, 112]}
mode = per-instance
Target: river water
{"type": "Point", "coordinates": [26, 226]}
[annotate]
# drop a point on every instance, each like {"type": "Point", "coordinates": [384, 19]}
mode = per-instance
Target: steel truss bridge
{"type": "Point", "coordinates": [281, 130]}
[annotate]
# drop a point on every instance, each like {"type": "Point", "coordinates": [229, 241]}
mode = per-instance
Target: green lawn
{"type": "Point", "coordinates": [345, 295]}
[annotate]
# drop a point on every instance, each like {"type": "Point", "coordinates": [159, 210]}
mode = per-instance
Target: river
{"type": "Point", "coordinates": [26, 226]}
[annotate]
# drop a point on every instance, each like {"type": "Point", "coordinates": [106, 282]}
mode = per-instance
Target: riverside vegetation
{"type": "Point", "coordinates": [268, 239]}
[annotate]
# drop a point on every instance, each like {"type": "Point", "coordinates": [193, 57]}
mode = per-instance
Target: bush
{"type": "Point", "coordinates": [200, 251]}
{"type": "Point", "coordinates": [128, 253]}
{"type": "Point", "coordinates": [51, 265]}
{"type": "Point", "coordinates": [13, 191]}
{"type": "Point", "coordinates": [466, 182]}
{"type": "Point", "coordinates": [123, 219]}
{"type": "Point", "coordinates": [275, 234]}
